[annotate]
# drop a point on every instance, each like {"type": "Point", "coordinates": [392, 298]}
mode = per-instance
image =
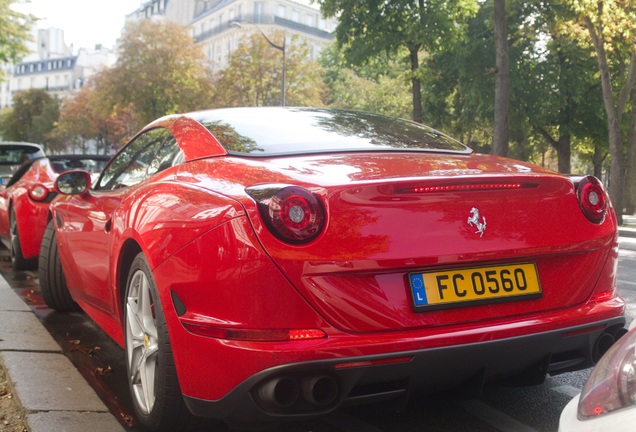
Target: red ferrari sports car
{"type": "Point", "coordinates": [262, 264]}
{"type": "Point", "coordinates": [25, 199]}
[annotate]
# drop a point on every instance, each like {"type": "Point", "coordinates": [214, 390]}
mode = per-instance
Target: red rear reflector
{"type": "Point", "coordinates": [583, 331]}
{"type": "Point", "coordinates": [351, 365]}
{"type": "Point", "coordinates": [306, 334]}
{"type": "Point", "coordinates": [605, 295]}
{"type": "Point", "coordinates": [463, 187]}
{"type": "Point", "coordinates": [273, 335]}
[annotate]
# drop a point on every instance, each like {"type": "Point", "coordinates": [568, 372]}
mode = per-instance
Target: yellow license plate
{"type": "Point", "coordinates": [440, 289]}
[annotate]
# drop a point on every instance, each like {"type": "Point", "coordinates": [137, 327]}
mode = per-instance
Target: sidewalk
{"type": "Point", "coordinates": [45, 383]}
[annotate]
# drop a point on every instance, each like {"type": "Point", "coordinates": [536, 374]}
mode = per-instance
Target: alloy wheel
{"type": "Point", "coordinates": [141, 341]}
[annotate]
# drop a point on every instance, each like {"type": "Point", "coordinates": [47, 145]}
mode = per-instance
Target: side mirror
{"type": "Point", "coordinates": [73, 182]}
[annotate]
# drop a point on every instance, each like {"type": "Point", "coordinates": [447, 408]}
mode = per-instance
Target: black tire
{"type": "Point", "coordinates": [18, 261]}
{"type": "Point", "coordinates": [147, 346]}
{"type": "Point", "coordinates": [52, 281]}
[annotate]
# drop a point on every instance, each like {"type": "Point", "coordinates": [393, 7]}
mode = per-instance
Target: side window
{"type": "Point", "coordinates": [148, 154]}
{"type": "Point", "coordinates": [167, 156]}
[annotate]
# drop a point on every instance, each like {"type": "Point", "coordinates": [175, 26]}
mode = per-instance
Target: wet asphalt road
{"type": "Point", "coordinates": [505, 409]}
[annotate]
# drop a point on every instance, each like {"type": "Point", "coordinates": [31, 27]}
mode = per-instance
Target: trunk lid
{"type": "Point", "coordinates": [389, 218]}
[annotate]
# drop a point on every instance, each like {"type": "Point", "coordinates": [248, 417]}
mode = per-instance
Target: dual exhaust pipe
{"type": "Point", "coordinates": [310, 392]}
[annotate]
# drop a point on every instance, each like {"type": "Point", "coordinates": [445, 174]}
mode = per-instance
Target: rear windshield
{"type": "Point", "coordinates": [93, 164]}
{"type": "Point", "coordinates": [16, 153]}
{"type": "Point", "coordinates": [286, 131]}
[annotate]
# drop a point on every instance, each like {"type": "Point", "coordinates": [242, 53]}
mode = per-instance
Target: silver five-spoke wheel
{"type": "Point", "coordinates": [152, 375]}
{"type": "Point", "coordinates": [141, 341]}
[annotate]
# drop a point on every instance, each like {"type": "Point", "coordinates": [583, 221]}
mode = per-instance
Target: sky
{"type": "Point", "coordinates": [85, 22]}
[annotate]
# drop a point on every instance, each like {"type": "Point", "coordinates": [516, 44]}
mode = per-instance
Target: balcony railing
{"type": "Point", "coordinates": [265, 20]}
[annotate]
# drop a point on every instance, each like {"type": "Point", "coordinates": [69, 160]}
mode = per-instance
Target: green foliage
{"type": "Point", "coordinates": [607, 30]}
{"type": "Point", "coordinates": [32, 117]}
{"type": "Point", "coordinates": [159, 71]}
{"type": "Point", "coordinates": [15, 31]}
{"type": "Point", "coordinates": [379, 86]}
{"type": "Point", "coordinates": [555, 96]}
{"type": "Point", "coordinates": [254, 75]}
{"type": "Point", "coordinates": [459, 80]}
{"type": "Point", "coordinates": [368, 28]}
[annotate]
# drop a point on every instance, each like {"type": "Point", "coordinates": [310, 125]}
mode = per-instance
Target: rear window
{"type": "Point", "coordinates": [92, 164]}
{"type": "Point", "coordinates": [17, 154]}
{"type": "Point", "coordinates": [287, 131]}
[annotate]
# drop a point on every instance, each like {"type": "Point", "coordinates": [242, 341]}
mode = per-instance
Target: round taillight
{"type": "Point", "coordinates": [592, 199]}
{"type": "Point", "coordinates": [294, 215]}
{"type": "Point", "coordinates": [38, 192]}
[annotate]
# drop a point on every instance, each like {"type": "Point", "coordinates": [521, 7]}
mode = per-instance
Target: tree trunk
{"type": "Point", "coordinates": [614, 113]}
{"type": "Point", "coordinates": [630, 168]}
{"type": "Point", "coordinates": [597, 161]}
{"type": "Point", "coordinates": [502, 81]}
{"type": "Point", "coordinates": [563, 148]}
{"type": "Point", "coordinates": [564, 154]}
{"type": "Point", "coordinates": [416, 84]}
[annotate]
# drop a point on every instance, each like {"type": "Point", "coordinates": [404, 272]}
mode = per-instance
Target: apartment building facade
{"type": "Point", "coordinates": [218, 26]}
{"type": "Point", "coordinates": [53, 67]}
{"type": "Point", "coordinates": [213, 23]}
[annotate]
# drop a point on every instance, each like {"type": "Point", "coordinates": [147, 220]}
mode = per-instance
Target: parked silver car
{"type": "Point", "coordinates": [608, 399]}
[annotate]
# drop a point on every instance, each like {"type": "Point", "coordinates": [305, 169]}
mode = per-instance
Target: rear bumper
{"type": "Point", "coordinates": [313, 388]}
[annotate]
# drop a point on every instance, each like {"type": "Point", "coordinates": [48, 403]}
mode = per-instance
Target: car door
{"type": "Point", "coordinates": [88, 221]}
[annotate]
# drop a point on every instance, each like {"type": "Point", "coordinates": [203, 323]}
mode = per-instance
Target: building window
{"type": "Point", "coordinates": [310, 20]}
{"type": "Point", "coordinates": [239, 12]}
{"type": "Point", "coordinates": [259, 11]}
{"type": "Point", "coordinates": [280, 11]}
{"type": "Point", "coordinates": [295, 16]}
{"type": "Point", "coordinates": [231, 17]}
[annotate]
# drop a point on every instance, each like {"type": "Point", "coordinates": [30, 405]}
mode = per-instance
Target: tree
{"type": "Point", "coordinates": [159, 71]}
{"type": "Point", "coordinates": [630, 169]}
{"type": "Point", "coordinates": [253, 76]}
{"type": "Point", "coordinates": [610, 27]}
{"type": "Point", "coordinates": [460, 82]}
{"type": "Point", "coordinates": [15, 31]}
{"type": "Point", "coordinates": [559, 93]}
{"type": "Point", "coordinates": [85, 119]}
{"type": "Point", "coordinates": [502, 81]}
{"type": "Point", "coordinates": [31, 118]}
{"type": "Point", "coordinates": [378, 86]}
{"type": "Point", "coordinates": [554, 93]}
{"type": "Point", "coordinates": [367, 28]}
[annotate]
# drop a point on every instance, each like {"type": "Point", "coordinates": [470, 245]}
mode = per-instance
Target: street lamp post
{"type": "Point", "coordinates": [281, 48]}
